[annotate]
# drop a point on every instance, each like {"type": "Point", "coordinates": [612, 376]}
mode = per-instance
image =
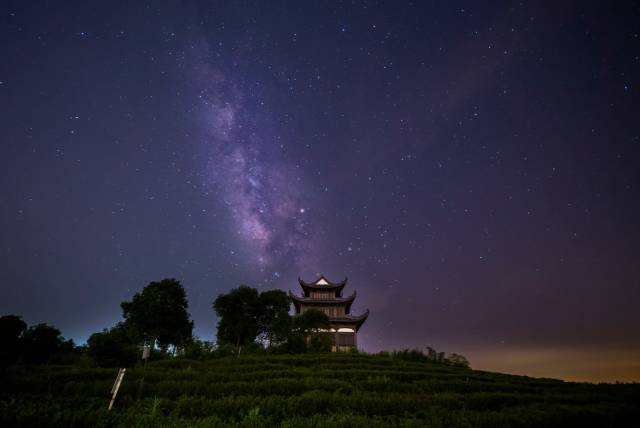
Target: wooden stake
{"type": "Point", "coordinates": [116, 386]}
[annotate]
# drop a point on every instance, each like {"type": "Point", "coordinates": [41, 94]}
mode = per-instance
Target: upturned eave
{"type": "Point", "coordinates": [310, 301]}
{"type": "Point", "coordinates": [331, 286]}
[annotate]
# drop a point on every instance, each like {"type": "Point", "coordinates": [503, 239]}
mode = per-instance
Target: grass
{"type": "Point", "coordinates": [335, 390]}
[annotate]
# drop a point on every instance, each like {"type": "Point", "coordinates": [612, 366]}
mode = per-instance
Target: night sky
{"type": "Point", "coordinates": [473, 169]}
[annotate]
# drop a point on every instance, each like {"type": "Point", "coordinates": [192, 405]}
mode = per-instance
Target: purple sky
{"type": "Point", "coordinates": [472, 169]}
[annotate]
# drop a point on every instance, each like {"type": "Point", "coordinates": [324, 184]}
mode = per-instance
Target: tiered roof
{"type": "Point", "coordinates": [348, 320]}
{"type": "Point", "coordinates": [311, 301]}
{"type": "Point", "coordinates": [323, 284]}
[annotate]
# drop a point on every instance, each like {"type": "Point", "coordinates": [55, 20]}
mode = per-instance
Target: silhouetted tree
{"type": "Point", "coordinates": [274, 321]}
{"type": "Point", "coordinates": [113, 348]}
{"type": "Point", "coordinates": [310, 321]}
{"type": "Point", "coordinates": [197, 349]}
{"type": "Point", "coordinates": [11, 330]}
{"type": "Point", "coordinates": [432, 354]}
{"type": "Point", "coordinates": [238, 313]}
{"type": "Point", "coordinates": [308, 325]}
{"type": "Point", "coordinates": [244, 315]}
{"type": "Point", "coordinates": [458, 360]}
{"type": "Point", "coordinates": [41, 342]}
{"type": "Point", "coordinates": [158, 314]}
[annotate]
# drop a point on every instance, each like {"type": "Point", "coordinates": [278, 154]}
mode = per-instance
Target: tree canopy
{"type": "Point", "coordinates": [158, 314]}
{"type": "Point", "coordinates": [34, 345]}
{"type": "Point", "coordinates": [11, 330]}
{"type": "Point", "coordinates": [41, 341]}
{"type": "Point", "coordinates": [274, 321]}
{"type": "Point", "coordinates": [244, 315]}
{"type": "Point", "coordinates": [238, 312]}
{"type": "Point", "coordinates": [112, 348]}
{"type": "Point", "coordinates": [310, 321]}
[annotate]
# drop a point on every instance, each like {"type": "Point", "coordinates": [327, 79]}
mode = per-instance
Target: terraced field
{"type": "Point", "coordinates": [348, 390]}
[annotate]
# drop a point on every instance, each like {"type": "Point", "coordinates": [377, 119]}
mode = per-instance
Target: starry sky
{"type": "Point", "coordinates": [472, 168]}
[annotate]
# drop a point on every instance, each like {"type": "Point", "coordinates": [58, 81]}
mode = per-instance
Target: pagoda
{"type": "Point", "coordinates": [326, 296]}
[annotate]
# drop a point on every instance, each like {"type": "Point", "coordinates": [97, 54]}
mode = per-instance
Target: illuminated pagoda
{"type": "Point", "coordinates": [326, 296]}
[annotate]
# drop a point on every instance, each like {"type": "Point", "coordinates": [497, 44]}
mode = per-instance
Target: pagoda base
{"type": "Point", "coordinates": [340, 341]}
{"type": "Point", "coordinates": [343, 342]}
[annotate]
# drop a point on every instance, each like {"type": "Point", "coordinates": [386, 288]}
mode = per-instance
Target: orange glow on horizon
{"type": "Point", "coordinates": [580, 364]}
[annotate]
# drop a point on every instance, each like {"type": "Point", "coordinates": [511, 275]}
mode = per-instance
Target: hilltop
{"type": "Point", "coordinates": [309, 390]}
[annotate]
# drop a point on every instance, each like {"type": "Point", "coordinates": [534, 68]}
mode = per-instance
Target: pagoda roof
{"type": "Point", "coordinates": [323, 283]}
{"type": "Point", "coordinates": [350, 319]}
{"type": "Point", "coordinates": [347, 301]}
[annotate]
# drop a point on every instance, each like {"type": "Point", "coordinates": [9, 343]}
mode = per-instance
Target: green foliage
{"type": "Point", "coordinates": [41, 342]}
{"type": "Point", "coordinates": [224, 350]}
{"type": "Point", "coordinates": [458, 360]}
{"type": "Point", "coordinates": [113, 348]}
{"type": "Point", "coordinates": [158, 314]}
{"type": "Point", "coordinates": [11, 330]}
{"type": "Point", "coordinates": [308, 390]}
{"type": "Point", "coordinates": [37, 344]}
{"type": "Point", "coordinates": [274, 321]}
{"type": "Point", "coordinates": [310, 321]}
{"type": "Point", "coordinates": [319, 343]}
{"type": "Point", "coordinates": [238, 313]}
{"type": "Point", "coordinates": [295, 344]}
{"type": "Point", "coordinates": [431, 356]}
{"type": "Point", "coordinates": [245, 315]}
{"type": "Point", "coordinates": [197, 349]}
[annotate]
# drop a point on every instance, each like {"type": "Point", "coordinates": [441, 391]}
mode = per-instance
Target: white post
{"type": "Point", "coordinates": [116, 386]}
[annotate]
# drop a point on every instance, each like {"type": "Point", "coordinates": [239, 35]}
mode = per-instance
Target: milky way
{"type": "Point", "coordinates": [261, 191]}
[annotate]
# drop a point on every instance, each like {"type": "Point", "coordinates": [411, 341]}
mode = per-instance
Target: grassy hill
{"type": "Point", "coordinates": [343, 390]}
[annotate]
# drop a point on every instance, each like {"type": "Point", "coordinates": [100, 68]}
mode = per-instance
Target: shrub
{"type": "Point", "coordinates": [112, 348]}
{"type": "Point", "coordinates": [41, 342]}
{"type": "Point", "coordinates": [320, 343]}
{"type": "Point", "coordinates": [11, 330]}
{"type": "Point", "coordinates": [197, 349]}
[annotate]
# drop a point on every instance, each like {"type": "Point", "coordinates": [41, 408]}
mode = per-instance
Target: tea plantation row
{"type": "Point", "coordinates": [306, 391]}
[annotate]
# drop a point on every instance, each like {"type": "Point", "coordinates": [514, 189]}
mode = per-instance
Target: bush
{"type": "Point", "coordinates": [295, 344]}
{"type": "Point", "coordinates": [432, 356]}
{"type": "Point", "coordinates": [112, 348]}
{"type": "Point", "coordinates": [41, 342]}
{"type": "Point", "coordinates": [320, 343]}
{"type": "Point", "coordinates": [197, 350]}
{"type": "Point", "coordinates": [11, 330]}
